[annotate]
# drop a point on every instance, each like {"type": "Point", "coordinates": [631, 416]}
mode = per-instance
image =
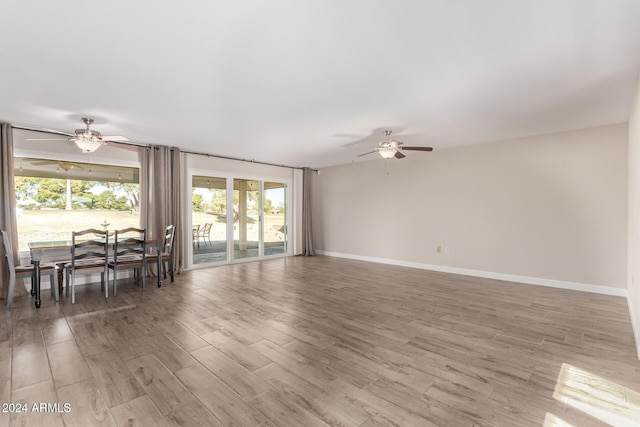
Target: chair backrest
{"type": "Point", "coordinates": [207, 229]}
{"type": "Point", "coordinates": [169, 236]}
{"type": "Point", "coordinates": [130, 241]}
{"type": "Point", "coordinates": [8, 253]}
{"type": "Point", "coordinates": [90, 243]}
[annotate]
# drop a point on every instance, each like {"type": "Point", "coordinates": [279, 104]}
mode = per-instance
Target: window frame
{"type": "Point", "coordinates": [230, 176]}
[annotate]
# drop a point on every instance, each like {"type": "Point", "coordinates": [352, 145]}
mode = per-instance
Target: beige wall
{"type": "Point", "coordinates": [633, 279]}
{"type": "Point", "coordinates": [550, 207]}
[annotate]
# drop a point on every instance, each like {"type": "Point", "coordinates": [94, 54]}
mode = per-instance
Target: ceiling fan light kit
{"type": "Point", "coordinates": [86, 139]}
{"type": "Point", "coordinates": [387, 152]}
{"type": "Point", "coordinates": [87, 145]}
{"type": "Point", "coordinates": [390, 148]}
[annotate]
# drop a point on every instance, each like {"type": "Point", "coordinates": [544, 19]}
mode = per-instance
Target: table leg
{"type": "Point", "coordinates": [60, 278]}
{"type": "Point", "coordinates": [159, 268]}
{"type": "Point", "coordinates": [36, 280]}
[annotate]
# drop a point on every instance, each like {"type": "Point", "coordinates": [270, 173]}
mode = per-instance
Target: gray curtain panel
{"type": "Point", "coordinates": [307, 237]}
{"type": "Point", "coordinates": [160, 196]}
{"type": "Point", "coordinates": [8, 206]}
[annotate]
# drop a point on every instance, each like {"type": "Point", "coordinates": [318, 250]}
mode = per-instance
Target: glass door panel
{"type": "Point", "coordinates": [275, 214]}
{"type": "Point", "coordinates": [246, 219]}
{"type": "Point", "coordinates": [209, 219]}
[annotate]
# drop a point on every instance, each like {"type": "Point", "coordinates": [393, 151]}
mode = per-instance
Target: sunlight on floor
{"type": "Point", "coordinates": [605, 400]}
{"type": "Point", "coordinates": [551, 420]}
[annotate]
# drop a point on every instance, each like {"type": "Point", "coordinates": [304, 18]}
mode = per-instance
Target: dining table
{"type": "Point", "coordinates": [53, 250]}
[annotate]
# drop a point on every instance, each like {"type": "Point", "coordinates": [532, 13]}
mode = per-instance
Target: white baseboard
{"type": "Point", "coordinates": [562, 284]}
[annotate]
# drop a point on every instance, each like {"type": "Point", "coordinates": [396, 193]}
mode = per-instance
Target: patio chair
{"type": "Point", "coordinates": [24, 271]}
{"type": "Point", "coordinates": [129, 252]}
{"type": "Point", "coordinates": [89, 253]}
{"type": "Point", "coordinates": [204, 233]}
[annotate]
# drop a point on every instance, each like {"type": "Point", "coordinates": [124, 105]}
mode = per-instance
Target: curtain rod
{"type": "Point", "coordinates": [246, 160]}
{"type": "Point", "coordinates": [182, 151]}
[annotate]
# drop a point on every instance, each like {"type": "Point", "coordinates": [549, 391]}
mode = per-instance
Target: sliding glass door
{"type": "Point", "coordinates": [247, 225]}
{"type": "Point", "coordinates": [275, 218]}
{"type": "Point", "coordinates": [209, 219]}
{"type": "Point", "coordinates": [235, 218]}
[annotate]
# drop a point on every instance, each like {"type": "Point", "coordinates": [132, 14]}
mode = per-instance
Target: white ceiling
{"type": "Point", "coordinates": [293, 82]}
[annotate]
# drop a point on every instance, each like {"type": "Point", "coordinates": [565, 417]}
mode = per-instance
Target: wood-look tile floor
{"type": "Point", "coordinates": [321, 341]}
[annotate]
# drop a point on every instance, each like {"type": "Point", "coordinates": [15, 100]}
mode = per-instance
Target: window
{"type": "Point", "coordinates": [56, 197]}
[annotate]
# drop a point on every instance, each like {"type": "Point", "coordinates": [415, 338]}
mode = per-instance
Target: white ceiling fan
{"type": "Point", "coordinates": [88, 140]}
{"type": "Point", "coordinates": [389, 148]}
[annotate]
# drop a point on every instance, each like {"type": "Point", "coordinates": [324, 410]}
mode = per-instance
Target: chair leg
{"type": "Point", "coordinates": [54, 285]}
{"type": "Point", "coordinates": [68, 274]}
{"type": "Point", "coordinates": [104, 285]}
{"type": "Point", "coordinates": [106, 282]}
{"type": "Point", "coordinates": [115, 281]}
{"type": "Point", "coordinates": [73, 287]}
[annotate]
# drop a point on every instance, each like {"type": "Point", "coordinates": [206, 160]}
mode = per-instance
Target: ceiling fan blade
{"type": "Point", "coordinates": [67, 166]}
{"type": "Point", "coordinates": [418, 148]}
{"type": "Point", "coordinates": [399, 155]}
{"type": "Point", "coordinates": [115, 138]}
{"type": "Point", "coordinates": [70, 165]}
{"type": "Point", "coordinates": [57, 132]}
{"type": "Point", "coordinates": [39, 162]}
{"type": "Point", "coordinates": [129, 147]}
{"type": "Point", "coordinates": [46, 139]}
{"type": "Point", "coordinates": [364, 154]}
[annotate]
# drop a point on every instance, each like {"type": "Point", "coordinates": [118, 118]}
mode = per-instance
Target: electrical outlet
{"type": "Point", "coordinates": [439, 249]}
{"type": "Point", "coordinates": [446, 249]}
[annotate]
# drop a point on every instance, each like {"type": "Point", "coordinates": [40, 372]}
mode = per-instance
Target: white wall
{"type": "Point", "coordinates": [548, 209]}
{"type": "Point", "coordinates": [633, 279]}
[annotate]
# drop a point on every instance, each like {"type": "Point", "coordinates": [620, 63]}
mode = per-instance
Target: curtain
{"type": "Point", "coordinates": [8, 206]}
{"type": "Point", "coordinates": [160, 195]}
{"type": "Point", "coordinates": [307, 238]}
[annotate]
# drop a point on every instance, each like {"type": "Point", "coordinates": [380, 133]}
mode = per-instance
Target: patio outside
{"type": "Point", "coordinates": [213, 248]}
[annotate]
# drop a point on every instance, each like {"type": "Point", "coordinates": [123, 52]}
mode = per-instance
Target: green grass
{"type": "Point", "coordinates": [46, 225]}
{"type": "Point", "coordinates": [52, 225]}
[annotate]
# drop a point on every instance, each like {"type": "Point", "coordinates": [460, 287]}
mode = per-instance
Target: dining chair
{"type": "Point", "coordinates": [26, 271]}
{"type": "Point", "coordinates": [204, 233]}
{"type": "Point", "coordinates": [89, 253]}
{"type": "Point", "coordinates": [129, 253]}
{"type": "Point", "coordinates": [165, 255]}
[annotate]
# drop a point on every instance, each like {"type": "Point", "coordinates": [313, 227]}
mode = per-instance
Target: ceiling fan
{"type": "Point", "coordinates": [88, 140]}
{"type": "Point", "coordinates": [62, 165]}
{"type": "Point", "coordinates": [389, 148]}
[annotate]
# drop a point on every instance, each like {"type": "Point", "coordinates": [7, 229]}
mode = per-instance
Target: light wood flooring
{"type": "Point", "coordinates": [321, 341]}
